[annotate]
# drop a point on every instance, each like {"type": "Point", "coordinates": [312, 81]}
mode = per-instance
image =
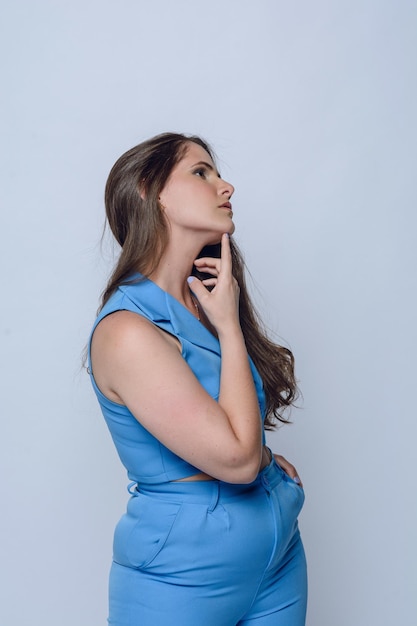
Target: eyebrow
{"type": "Point", "coordinates": [207, 165]}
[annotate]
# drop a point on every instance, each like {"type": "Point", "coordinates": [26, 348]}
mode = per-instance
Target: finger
{"type": "Point", "coordinates": [208, 263]}
{"type": "Point", "coordinates": [209, 282]}
{"type": "Point", "coordinates": [288, 468]}
{"type": "Point", "coordinates": [285, 465]}
{"type": "Point", "coordinates": [197, 287]}
{"type": "Point", "coordinates": [210, 260]}
{"type": "Point", "coordinates": [226, 257]}
{"type": "Point", "coordinates": [205, 269]}
{"type": "Point", "coordinates": [297, 479]}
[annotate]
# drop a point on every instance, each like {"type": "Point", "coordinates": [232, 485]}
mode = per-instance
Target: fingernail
{"type": "Point", "coordinates": [297, 480]}
{"type": "Point", "coordinates": [190, 279]}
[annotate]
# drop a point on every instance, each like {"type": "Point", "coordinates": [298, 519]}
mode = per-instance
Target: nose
{"type": "Point", "coordinates": [226, 188]}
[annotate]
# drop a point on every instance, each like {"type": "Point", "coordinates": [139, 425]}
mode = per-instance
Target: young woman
{"type": "Point", "coordinates": [187, 382]}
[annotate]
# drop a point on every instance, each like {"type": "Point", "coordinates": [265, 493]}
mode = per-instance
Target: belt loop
{"type": "Point", "coordinates": [215, 493]}
{"type": "Point", "coordinates": [133, 488]}
{"type": "Point", "coordinates": [266, 484]}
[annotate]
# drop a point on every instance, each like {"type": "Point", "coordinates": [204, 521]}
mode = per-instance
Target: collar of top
{"type": "Point", "coordinates": [166, 311]}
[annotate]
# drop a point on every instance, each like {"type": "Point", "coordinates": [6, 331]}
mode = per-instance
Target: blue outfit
{"type": "Point", "coordinates": [204, 553]}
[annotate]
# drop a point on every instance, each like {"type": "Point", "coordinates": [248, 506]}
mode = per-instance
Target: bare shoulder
{"type": "Point", "coordinates": [125, 329]}
{"type": "Point", "coordinates": [124, 343]}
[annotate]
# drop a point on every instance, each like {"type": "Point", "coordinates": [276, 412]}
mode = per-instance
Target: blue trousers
{"type": "Point", "coordinates": [210, 553]}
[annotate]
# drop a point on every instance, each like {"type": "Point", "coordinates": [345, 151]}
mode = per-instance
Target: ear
{"type": "Point", "coordinates": [142, 191]}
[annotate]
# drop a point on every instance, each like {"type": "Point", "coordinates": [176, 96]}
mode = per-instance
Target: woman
{"type": "Point", "coordinates": [210, 535]}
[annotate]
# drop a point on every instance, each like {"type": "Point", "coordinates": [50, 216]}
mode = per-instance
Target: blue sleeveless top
{"type": "Point", "coordinates": [148, 461]}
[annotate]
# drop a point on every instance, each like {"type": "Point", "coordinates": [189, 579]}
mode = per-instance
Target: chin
{"type": "Point", "coordinates": [216, 237]}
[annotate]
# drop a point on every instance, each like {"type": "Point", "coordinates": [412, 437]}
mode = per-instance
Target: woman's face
{"type": "Point", "coordinates": [196, 199]}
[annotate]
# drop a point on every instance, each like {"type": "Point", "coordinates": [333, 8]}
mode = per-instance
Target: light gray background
{"type": "Point", "coordinates": [310, 106]}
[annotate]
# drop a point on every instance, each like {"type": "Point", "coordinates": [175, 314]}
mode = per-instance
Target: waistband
{"type": "Point", "coordinates": [210, 491]}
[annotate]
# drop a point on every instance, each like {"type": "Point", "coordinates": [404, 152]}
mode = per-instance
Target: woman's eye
{"type": "Point", "coordinates": [200, 172]}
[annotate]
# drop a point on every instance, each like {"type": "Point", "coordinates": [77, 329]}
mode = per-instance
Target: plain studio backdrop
{"type": "Point", "coordinates": [310, 107]}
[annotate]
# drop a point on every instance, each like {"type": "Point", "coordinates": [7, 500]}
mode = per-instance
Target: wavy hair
{"type": "Point", "coordinates": [137, 222]}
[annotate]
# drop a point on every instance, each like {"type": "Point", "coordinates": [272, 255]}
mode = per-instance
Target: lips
{"type": "Point", "coordinates": [226, 205]}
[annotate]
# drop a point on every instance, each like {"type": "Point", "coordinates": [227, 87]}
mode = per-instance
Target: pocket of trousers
{"type": "Point", "coordinates": [298, 493]}
{"type": "Point", "coordinates": [143, 531]}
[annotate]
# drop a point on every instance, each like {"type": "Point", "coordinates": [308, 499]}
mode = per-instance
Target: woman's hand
{"type": "Point", "coordinates": [135, 363]}
{"type": "Point", "coordinates": [288, 468]}
{"type": "Point", "coordinates": [221, 304]}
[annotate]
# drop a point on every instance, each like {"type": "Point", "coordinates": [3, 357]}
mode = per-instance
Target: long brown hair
{"type": "Point", "coordinates": [138, 224]}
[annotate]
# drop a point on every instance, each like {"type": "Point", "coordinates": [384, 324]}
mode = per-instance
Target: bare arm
{"type": "Point", "coordinates": [142, 366]}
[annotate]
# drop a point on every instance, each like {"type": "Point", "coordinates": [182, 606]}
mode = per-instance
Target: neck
{"type": "Point", "coordinates": [173, 269]}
